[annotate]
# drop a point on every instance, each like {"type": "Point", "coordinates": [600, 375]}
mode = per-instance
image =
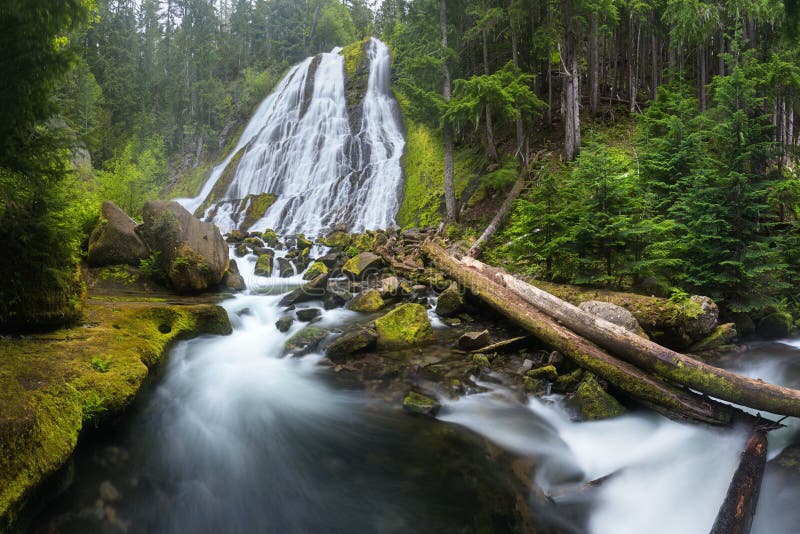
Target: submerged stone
{"type": "Point", "coordinates": [473, 340]}
{"type": "Point", "coordinates": [407, 324]}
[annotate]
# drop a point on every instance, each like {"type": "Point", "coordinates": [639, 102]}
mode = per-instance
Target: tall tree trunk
{"type": "Point", "coordinates": [490, 144]}
{"type": "Point", "coordinates": [655, 63]}
{"type": "Point", "coordinates": [702, 66]}
{"type": "Point", "coordinates": [521, 149]}
{"type": "Point", "coordinates": [447, 133]}
{"type": "Point", "coordinates": [571, 102]}
{"type": "Point", "coordinates": [631, 63]}
{"type": "Point", "coordinates": [594, 66]}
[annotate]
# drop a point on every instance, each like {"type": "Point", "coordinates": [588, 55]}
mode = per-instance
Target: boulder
{"type": "Point", "coordinates": [613, 314]}
{"type": "Point", "coordinates": [285, 268]}
{"type": "Point", "coordinates": [361, 265]}
{"type": "Point", "coordinates": [473, 340]}
{"type": "Point", "coordinates": [114, 240]}
{"type": "Point", "coordinates": [703, 319]}
{"type": "Point", "coordinates": [450, 302]}
{"type": "Point", "coordinates": [306, 340]}
{"type": "Point", "coordinates": [264, 265]}
{"type": "Point", "coordinates": [192, 254]}
{"type": "Point", "coordinates": [317, 268]}
{"type": "Point", "coordinates": [284, 323]}
{"type": "Point", "coordinates": [304, 243]}
{"type": "Point", "coordinates": [418, 404]}
{"type": "Point", "coordinates": [232, 279]}
{"type": "Point", "coordinates": [351, 342]}
{"type": "Point", "coordinates": [775, 325]}
{"type": "Point", "coordinates": [337, 239]}
{"type": "Point", "coordinates": [270, 238]}
{"type": "Point", "coordinates": [407, 324]}
{"type": "Point", "coordinates": [592, 401]}
{"type": "Point", "coordinates": [367, 302]}
{"type": "Point", "coordinates": [724, 334]}
{"type": "Point", "coordinates": [331, 260]}
{"type": "Point", "coordinates": [547, 372]}
{"type": "Point", "coordinates": [308, 314]}
{"type": "Point", "coordinates": [313, 290]}
{"type": "Point", "coordinates": [390, 287]}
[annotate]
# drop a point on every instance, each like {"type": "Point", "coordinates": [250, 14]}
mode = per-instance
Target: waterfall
{"type": "Point", "coordinates": [306, 147]}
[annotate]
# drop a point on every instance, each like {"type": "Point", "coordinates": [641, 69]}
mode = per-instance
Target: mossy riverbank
{"type": "Point", "coordinates": [53, 385]}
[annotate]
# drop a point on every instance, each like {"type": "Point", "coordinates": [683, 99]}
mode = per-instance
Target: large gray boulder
{"type": "Point", "coordinates": [192, 254]}
{"type": "Point", "coordinates": [114, 240]}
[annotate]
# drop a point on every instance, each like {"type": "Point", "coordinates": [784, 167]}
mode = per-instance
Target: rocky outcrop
{"type": "Point", "coordinates": [114, 240]}
{"type": "Point", "coordinates": [192, 254]}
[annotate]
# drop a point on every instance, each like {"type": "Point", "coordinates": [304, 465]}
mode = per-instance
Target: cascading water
{"type": "Point", "coordinates": [300, 147]}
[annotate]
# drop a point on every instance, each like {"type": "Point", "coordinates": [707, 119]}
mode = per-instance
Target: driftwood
{"type": "Point", "coordinates": [665, 398]}
{"type": "Point", "coordinates": [735, 516]}
{"type": "Point", "coordinates": [648, 355]}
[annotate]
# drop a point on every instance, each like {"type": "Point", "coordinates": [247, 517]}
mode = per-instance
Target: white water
{"type": "Point", "coordinates": [301, 148]}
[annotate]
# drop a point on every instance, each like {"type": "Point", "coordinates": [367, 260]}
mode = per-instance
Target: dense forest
{"type": "Point", "coordinates": [656, 138]}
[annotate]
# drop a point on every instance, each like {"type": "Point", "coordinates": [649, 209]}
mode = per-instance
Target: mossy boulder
{"type": "Point", "coordinates": [407, 324]}
{"type": "Point", "coordinates": [306, 340]}
{"type": "Point", "coordinates": [567, 383]}
{"type": "Point", "coordinates": [775, 325]}
{"type": "Point", "coordinates": [351, 342]}
{"type": "Point", "coordinates": [360, 265]}
{"type": "Point", "coordinates": [419, 404]}
{"type": "Point", "coordinates": [593, 402]}
{"type": "Point", "coordinates": [114, 240]}
{"type": "Point", "coordinates": [53, 385]}
{"type": "Point", "coordinates": [450, 302]}
{"type": "Point", "coordinates": [547, 372]}
{"type": "Point", "coordinates": [303, 243]}
{"type": "Point", "coordinates": [255, 206]}
{"type": "Point", "coordinates": [193, 256]}
{"type": "Point", "coordinates": [285, 268]}
{"type": "Point", "coordinates": [232, 279]}
{"type": "Point", "coordinates": [724, 334]}
{"type": "Point", "coordinates": [317, 268]}
{"type": "Point", "coordinates": [270, 238]}
{"type": "Point", "coordinates": [284, 323]}
{"type": "Point", "coordinates": [337, 239]}
{"type": "Point", "coordinates": [264, 265]}
{"type": "Point", "coordinates": [367, 302]}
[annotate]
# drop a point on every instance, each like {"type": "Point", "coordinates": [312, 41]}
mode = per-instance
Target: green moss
{"type": "Point", "coordinates": [547, 372]}
{"type": "Point", "coordinates": [49, 387]}
{"type": "Point", "coordinates": [405, 325]}
{"type": "Point", "coordinates": [482, 360]}
{"type": "Point", "coordinates": [257, 206]}
{"type": "Point", "coordinates": [418, 404]}
{"type": "Point", "coordinates": [594, 403]}
{"type": "Point", "coordinates": [355, 57]}
{"type": "Point", "coordinates": [368, 301]}
{"type": "Point", "coordinates": [317, 268]}
{"type": "Point", "coordinates": [120, 273]}
{"type": "Point", "coordinates": [337, 239]}
{"type": "Point", "coordinates": [189, 184]}
{"type": "Point", "coordinates": [223, 183]}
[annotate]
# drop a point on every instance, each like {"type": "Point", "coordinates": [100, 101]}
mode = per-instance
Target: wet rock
{"type": "Point", "coordinates": [335, 298]}
{"type": "Point", "coordinates": [313, 290]}
{"type": "Point", "coordinates": [546, 372]}
{"type": "Point", "coordinates": [526, 366]}
{"type": "Point", "coordinates": [724, 334]}
{"type": "Point", "coordinates": [285, 268]}
{"type": "Point", "coordinates": [284, 323]}
{"type": "Point", "coordinates": [253, 243]}
{"type": "Point", "coordinates": [481, 360]}
{"type": "Point", "coordinates": [303, 243]}
{"type": "Point", "coordinates": [240, 250]}
{"type": "Point", "coordinates": [351, 342]}
{"type": "Point", "coordinates": [192, 253]}
{"type": "Point", "coordinates": [317, 268]}
{"type": "Point", "coordinates": [450, 302]}
{"type": "Point", "coordinates": [235, 236]}
{"type": "Point", "coordinates": [331, 260]}
{"type": "Point", "coordinates": [473, 340]}
{"type": "Point", "coordinates": [613, 314]}
{"type": "Point", "coordinates": [306, 340]}
{"type": "Point", "coordinates": [390, 287]}
{"type": "Point", "coordinates": [536, 386]}
{"type": "Point", "coordinates": [264, 265]}
{"type": "Point", "coordinates": [270, 238]}
{"type": "Point", "coordinates": [418, 404]}
{"type": "Point", "coordinates": [308, 314]}
{"type": "Point", "coordinates": [232, 279]}
{"type": "Point", "coordinates": [775, 325]}
{"type": "Point", "coordinates": [367, 301]}
{"type": "Point", "coordinates": [703, 322]}
{"type": "Point", "coordinates": [407, 324]}
{"type": "Point", "coordinates": [593, 402]}
{"type": "Point", "coordinates": [108, 492]}
{"type": "Point", "coordinates": [337, 239]}
{"type": "Point", "coordinates": [569, 382]}
{"type": "Point", "coordinates": [114, 240]}
{"type": "Point", "coordinates": [361, 265]}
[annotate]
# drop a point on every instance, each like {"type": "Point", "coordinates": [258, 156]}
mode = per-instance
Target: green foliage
{"type": "Point", "coordinates": [135, 176]}
{"type": "Point", "coordinates": [101, 365]}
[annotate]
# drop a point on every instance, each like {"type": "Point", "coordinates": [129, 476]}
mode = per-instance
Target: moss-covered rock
{"type": "Point", "coordinates": [407, 324]}
{"type": "Point", "coordinates": [313, 290]}
{"type": "Point", "coordinates": [317, 268]}
{"type": "Point", "coordinates": [567, 383]}
{"type": "Point", "coordinates": [536, 386]}
{"type": "Point", "coordinates": [264, 265]}
{"type": "Point", "coordinates": [337, 239]}
{"type": "Point", "coordinates": [270, 238]}
{"type": "Point", "coordinates": [351, 342]}
{"type": "Point", "coordinates": [450, 302]}
{"type": "Point", "coordinates": [366, 302]}
{"type": "Point", "coordinates": [724, 334]}
{"type": "Point", "coordinates": [361, 265]}
{"type": "Point", "coordinates": [593, 402]}
{"type": "Point", "coordinates": [284, 323]}
{"type": "Point", "coordinates": [306, 340]}
{"type": "Point", "coordinates": [254, 207]}
{"type": "Point", "coordinates": [303, 243]}
{"type": "Point", "coordinates": [114, 239]}
{"type": "Point", "coordinates": [547, 372]}
{"type": "Point", "coordinates": [775, 325]}
{"type": "Point", "coordinates": [364, 242]}
{"type": "Point", "coordinates": [481, 360]}
{"type": "Point", "coordinates": [418, 404]}
{"type": "Point", "coordinates": [53, 385]}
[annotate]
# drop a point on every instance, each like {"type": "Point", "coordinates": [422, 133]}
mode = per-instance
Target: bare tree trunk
{"type": "Point", "coordinates": [650, 356]}
{"type": "Point", "coordinates": [703, 76]}
{"type": "Point", "coordinates": [521, 149]}
{"type": "Point", "coordinates": [655, 63]}
{"type": "Point", "coordinates": [631, 62]}
{"type": "Point", "coordinates": [570, 98]}
{"type": "Point", "coordinates": [669, 400]}
{"type": "Point", "coordinates": [490, 144]}
{"type": "Point", "coordinates": [594, 66]}
{"type": "Point", "coordinates": [499, 217]}
{"type": "Point", "coordinates": [447, 133]}
{"type": "Point", "coordinates": [736, 514]}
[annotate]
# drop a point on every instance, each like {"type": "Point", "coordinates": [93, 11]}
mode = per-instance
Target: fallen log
{"type": "Point", "coordinates": [735, 516]}
{"type": "Point", "coordinates": [667, 399]}
{"type": "Point", "coordinates": [650, 356]}
{"type": "Point", "coordinates": [487, 234]}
